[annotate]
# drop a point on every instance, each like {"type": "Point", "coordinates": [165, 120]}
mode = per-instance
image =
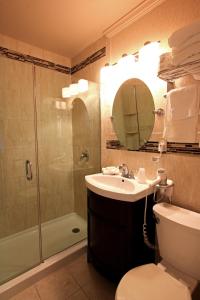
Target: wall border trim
{"type": "Point", "coordinates": [34, 60]}
{"type": "Point", "coordinates": [50, 65]}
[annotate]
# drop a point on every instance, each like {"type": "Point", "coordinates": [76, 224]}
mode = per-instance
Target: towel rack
{"type": "Point", "coordinates": [159, 112]}
{"type": "Point", "coordinates": [176, 72]}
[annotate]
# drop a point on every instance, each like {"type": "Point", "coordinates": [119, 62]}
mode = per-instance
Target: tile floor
{"type": "Point", "coordinates": [78, 280]}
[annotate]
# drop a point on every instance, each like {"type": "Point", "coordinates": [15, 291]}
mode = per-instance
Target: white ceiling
{"type": "Point", "coordinates": [62, 26]}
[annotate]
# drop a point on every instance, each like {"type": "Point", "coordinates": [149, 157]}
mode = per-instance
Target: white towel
{"type": "Point", "coordinates": [112, 170]}
{"type": "Point", "coordinates": [194, 70]}
{"type": "Point", "coordinates": [181, 131]}
{"type": "Point", "coordinates": [182, 103]}
{"type": "Point", "coordinates": [165, 62]}
{"type": "Point", "coordinates": [181, 114]}
{"type": "Point", "coordinates": [189, 54]}
{"type": "Point", "coordinates": [194, 39]}
{"type": "Point", "coordinates": [183, 34]}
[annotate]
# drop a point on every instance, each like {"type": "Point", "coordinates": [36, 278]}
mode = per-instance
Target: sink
{"type": "Point", "coordinates": [119, 188]}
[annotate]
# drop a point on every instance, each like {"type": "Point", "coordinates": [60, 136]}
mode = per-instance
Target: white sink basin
{"type": "Point", "coordinates": [118, 188]}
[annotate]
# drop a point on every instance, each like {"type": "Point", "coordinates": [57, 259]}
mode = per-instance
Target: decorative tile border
{"type": "Point", "coordinates": [189, 148]}
{"type": "Point", "coordinates": [50, 65]}
{"type": "Point", "coordinates": [89, 60]}
{"type": "Point", "coordinates": [34, 60]}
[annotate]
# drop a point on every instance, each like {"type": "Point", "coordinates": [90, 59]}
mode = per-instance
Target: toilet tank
{"type": "Point", "coordinates": [178, 233]}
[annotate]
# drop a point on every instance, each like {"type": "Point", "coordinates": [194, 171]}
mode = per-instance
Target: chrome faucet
{"type": "Point", "coordinates": [125, 171]}
{"type": "Point", "coordinates": [84, 155]}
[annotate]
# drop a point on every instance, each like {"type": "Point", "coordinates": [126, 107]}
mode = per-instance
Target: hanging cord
{"type": "Point", "coordinates": [145, 234]}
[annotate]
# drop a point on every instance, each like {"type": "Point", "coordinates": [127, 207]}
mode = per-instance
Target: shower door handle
{"type": "Point", "coordinates": [28, 168]}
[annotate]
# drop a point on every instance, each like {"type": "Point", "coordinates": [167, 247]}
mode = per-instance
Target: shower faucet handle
{"type": "Point", "coordinates": [84, 155]}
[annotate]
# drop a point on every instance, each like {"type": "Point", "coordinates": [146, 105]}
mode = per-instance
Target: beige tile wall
{"type": "Point", "coordinates": [157, 25]}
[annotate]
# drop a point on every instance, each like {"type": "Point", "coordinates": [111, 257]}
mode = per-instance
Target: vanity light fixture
{"type": "Point", "coordinates": [149, 49]}
{"type": "Point", "coordinates": [82, 85]}
{"type": "Point", "coordinates": [105, 73]}
{"type": "Point", "coordinates": [127, 60]}
{"type": "Point", "coordinates": [149, 55]}
{"type": "Point", "coordinates": [66, 92]}
{"type": "Point", "coordinates": [75, 88]}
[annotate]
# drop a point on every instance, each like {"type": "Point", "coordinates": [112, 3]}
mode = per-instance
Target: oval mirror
{"type": "Point", "coordinates": [132, 114]}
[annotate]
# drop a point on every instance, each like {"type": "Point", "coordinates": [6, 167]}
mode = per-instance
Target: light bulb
{"type": "Point", "coordinates": [66, 92]}
{"type": "Point", "coordinates": [82, 85]}
{"type": "Point", "coordinates": [73, 89]}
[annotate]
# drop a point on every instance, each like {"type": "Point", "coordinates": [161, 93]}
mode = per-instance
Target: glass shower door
{"type": "Point", "coordinates": [55, 156]}
{"type": "Point", "coordinates": [19, 230]}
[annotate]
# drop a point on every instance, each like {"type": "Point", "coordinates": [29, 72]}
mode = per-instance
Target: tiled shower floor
{"type": "Point", "coordinates": [19, 252]}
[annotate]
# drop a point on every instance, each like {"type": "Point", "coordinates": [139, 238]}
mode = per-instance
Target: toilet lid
{"type": "Point", "coordinates": [149, 282]}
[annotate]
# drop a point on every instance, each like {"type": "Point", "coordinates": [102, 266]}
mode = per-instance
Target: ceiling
{"type": "Point", "coordinates": [65, 27]}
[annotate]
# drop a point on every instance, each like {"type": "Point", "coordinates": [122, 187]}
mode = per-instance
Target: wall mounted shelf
{"type": "Point", "coordinates": [176, 72]}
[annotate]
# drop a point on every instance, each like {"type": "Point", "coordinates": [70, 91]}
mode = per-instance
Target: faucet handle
{"type": "Point", "coordinates": [131, 175]}
{"type": "Point", "coordinates": [124, 170]}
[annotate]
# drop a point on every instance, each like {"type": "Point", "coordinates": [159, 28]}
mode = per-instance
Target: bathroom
{"type": "Point", "coordinates": [58, 167]}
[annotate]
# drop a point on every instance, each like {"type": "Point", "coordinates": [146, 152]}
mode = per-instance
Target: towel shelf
{"type": "Point", "coordinates": [176, 72]}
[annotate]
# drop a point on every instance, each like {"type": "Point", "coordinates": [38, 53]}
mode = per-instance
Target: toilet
{"type": "Point", "coordinates": [176, 276]}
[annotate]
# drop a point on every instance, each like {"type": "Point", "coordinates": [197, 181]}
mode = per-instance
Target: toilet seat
{"type": "Point", "coordinates": [149, 282]}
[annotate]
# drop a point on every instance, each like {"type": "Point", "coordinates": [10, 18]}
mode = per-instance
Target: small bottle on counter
{"type": "Point", "coordinates": [141, 175]}
{"type": "Point", "coordinates": [163, 176]}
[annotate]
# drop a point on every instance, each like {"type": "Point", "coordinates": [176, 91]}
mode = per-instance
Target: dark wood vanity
{"type": "Point", "coordinates": [115, 234]}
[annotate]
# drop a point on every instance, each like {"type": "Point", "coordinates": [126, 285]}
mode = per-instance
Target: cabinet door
{"type": "Point", "coordinates": [115, 237]}
{"type": "Point", "coordinates": [107, 242]}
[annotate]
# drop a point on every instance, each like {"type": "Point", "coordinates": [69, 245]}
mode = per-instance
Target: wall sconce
{"type": "Point", "coordinates": [82, 85]}
{"type": "Point", "coordinates": [75, 88]}
{"type": "Point", "coordinates": [66, 92]}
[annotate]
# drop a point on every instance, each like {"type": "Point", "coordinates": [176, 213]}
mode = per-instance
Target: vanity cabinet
{"type": "Point", "coordinates": [115, 234]}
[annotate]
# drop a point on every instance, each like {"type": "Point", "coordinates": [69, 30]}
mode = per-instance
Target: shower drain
{"type": "Point", "coordinates": [76, 230]}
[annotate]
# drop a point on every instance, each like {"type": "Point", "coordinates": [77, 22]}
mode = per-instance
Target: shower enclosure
{"type": "Point", "coordinates": [42, 192]}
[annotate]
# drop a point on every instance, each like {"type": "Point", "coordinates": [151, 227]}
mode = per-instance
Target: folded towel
{"type": "Point", "coordinates": [110, 170]}
{"type": "Point", "coordinates": [165, 62]}
{"type": "Point", "coordinates": [189, 54]}
{"type": "Point", "coordinates": [182, 131]}
{"type": "Point", "coordinates": [182, 103]}
{"type": "Point", "coordinates": [196, 76]}
{"type": "Point", "coordinates": [181, 114]}
{"type": "Point", "coordinates": [183, 34]}
{"type": "Point", "coordinates": [194, 70]}
{"type": "Point", "coordinates": [194, 39]}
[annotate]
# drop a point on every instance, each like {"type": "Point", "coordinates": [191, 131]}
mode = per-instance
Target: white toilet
{"type": "Point", "coordinates": [175, 277]}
